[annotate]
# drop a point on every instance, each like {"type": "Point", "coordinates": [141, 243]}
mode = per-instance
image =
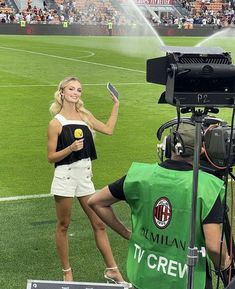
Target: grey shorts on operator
{"type": "Point", "coordinates": [73, 180]}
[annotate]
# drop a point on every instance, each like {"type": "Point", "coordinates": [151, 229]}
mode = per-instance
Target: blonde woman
{"type": "Point", "coordinates": [71, 149]}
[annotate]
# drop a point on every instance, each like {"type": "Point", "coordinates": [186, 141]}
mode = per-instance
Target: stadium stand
{"type": "Point", "coordinates": [202, 6]}
{"type": "Point", "coordinates": [4, 8]}
{"type": "Point", "coordinates": [183, 13]}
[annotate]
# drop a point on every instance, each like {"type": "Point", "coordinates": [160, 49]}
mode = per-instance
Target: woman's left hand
{"type": "Point", "coordinates": [114, 98]}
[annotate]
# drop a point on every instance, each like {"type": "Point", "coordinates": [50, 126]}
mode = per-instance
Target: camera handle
{"type": "Point", "coordinates": [192, 256]}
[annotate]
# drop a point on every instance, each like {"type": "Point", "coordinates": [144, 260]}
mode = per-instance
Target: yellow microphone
{"type": "Point", "coordinates": [78, 133]}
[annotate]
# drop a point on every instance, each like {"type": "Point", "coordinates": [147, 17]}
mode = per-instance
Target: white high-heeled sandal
{"type": "Point", "coordinates": [111, 280]}
{"type": "Point", "coordinates": [65, 271]}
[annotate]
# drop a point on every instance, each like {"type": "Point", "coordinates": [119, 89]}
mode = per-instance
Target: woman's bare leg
{"type": "Point", "coordinates": [102, 241]}
{"type": "Point", "coordinates": [63, 211]}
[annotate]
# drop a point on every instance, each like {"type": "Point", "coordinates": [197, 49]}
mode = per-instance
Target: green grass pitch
{"type": "Point", "coordinates": [30, 69]}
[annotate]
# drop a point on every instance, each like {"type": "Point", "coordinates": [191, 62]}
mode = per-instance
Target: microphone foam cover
{"type": "Point", "coordinates": [78, 133]}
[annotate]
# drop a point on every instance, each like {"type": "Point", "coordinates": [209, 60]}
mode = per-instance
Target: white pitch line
{"type": "Point", "coordinates": [17, 198]}
{"type": "Point", "coordinates": [90, 54]}
{"type": "Point", "coordinates": [27, 197]}
{"type": "Point", "coordinates": [72, 59]}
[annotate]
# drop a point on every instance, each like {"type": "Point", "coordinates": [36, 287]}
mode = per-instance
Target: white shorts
{"type": "Point", "coordinates": [73, 180]}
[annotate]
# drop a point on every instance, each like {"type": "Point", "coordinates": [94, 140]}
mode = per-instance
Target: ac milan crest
{"type": "Point", "coordinates": [162, 213]}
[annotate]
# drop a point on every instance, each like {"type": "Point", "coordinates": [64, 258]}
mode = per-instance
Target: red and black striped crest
{"type": "Point", "coordinates": [162, 213]}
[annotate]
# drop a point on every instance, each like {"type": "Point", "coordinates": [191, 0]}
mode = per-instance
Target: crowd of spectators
{"type": "Point", "coordinates": [219, 13]}
{"type": "Point", "coordinates": [93, 12]}
{"type": "Point", "coordinates": [72, 11]}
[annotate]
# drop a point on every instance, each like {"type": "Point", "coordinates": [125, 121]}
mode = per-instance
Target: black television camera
{"type": "Point", "coordinates": [216, 137]}
{"type": "Point", "coordinates": [200, 77]}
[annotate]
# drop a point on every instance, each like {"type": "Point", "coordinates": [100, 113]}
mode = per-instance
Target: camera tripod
{"type": "Point", "coordinates": [198, 116]}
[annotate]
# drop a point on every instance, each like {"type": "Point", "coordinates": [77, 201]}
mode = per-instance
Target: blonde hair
{"type": "Point", "coordinates": [57, 105]}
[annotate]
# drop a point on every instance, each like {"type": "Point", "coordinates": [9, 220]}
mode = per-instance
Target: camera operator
{"type": "Point", "coordinates": [160, 196]}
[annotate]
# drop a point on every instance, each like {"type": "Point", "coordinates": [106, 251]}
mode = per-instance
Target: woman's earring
{"type": "Point", "coordinates": [62, 97]}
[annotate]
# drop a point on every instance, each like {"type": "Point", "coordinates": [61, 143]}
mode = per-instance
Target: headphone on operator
{"type": "Point", "coordinates": [174, 141]}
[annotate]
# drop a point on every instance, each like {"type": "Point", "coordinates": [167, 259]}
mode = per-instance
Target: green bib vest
{"type": "Point", "coordinates": [65, 24]}
{"type": "Point", "coordinates": [110, 25]}
{"type": "Point", "coordinates": [22, 23]}
{"type": "Point", "coordinates": [160, 200]}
